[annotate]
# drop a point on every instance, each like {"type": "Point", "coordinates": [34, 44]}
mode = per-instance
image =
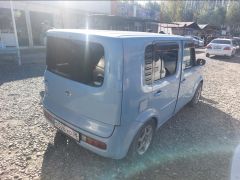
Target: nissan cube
{"type": "Point", "coordinates": [111, 90]}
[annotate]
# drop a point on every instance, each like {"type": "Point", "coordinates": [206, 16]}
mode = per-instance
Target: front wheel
{"type": "Point", "coordinates": [197, 95]}
{"type": "Point", "coordinates": [142, 140]}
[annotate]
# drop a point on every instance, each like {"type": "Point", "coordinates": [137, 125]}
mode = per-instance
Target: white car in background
{"type": "Point", "coordinates": [220, 47]}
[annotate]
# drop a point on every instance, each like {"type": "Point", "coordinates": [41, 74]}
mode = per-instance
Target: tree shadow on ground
{"type": "Point", "coordinates": [12, 72]}
{"type": "Point", "coordinates": [197, 143]}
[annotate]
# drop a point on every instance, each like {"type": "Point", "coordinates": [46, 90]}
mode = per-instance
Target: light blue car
{"type": "Point", "coordinates": [111, 90]}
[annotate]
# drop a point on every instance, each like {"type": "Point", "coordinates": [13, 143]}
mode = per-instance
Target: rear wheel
{"type": "Point", "coordinates": [142, 140]}
{"type": "Point", "coordinates": [207, 55]}
{"type": "Point", "coordinates": [197, 95]}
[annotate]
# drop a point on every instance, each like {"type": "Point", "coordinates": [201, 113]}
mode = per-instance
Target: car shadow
{"type": "Point", "coordinates": [12, 71]}
{"type": "Point", "coordinates": [208, 100]}
{"type": "Point", "coordinates": [197, 143]}
{"type": "Point", "coordinates": [235, 59]}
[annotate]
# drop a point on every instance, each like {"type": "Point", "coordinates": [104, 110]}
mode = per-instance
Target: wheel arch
{"type": "Point", "coordinates": [200, 81]}
{"type": "Point", "coordinates": [143, 123]}
{"type": "Point", "coordinates": [148, 115]}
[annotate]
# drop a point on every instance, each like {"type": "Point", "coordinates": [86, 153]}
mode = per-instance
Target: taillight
{"type": "Point", "coordinates": [209, 47]}
{"type": "Point", "coordinates": [227, 48]}
{"type": "Point", "coordinates": [93, 142]}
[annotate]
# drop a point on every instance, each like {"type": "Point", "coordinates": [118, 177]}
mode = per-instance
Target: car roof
{"type": "Point", "coordinates": [222, 39]}
{"type": "Point", "coordinates": [114, 34]}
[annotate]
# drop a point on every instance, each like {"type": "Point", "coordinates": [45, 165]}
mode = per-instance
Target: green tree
{"type": "Point", "coordinates": [153, 8]}
{"type": "Point", "coordinates": [215, 17]}
{"type": "Point", "coordinates": [233, 13]}
{"type": "Point", "coordinates": [164, 14]}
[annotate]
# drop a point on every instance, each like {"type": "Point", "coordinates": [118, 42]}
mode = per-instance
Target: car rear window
{"type": "Point", "coordinates": [77, 60]}
{"type": "Point", "coordinates": [221, 42]}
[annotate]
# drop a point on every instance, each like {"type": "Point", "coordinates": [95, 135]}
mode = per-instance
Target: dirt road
{"type": "Point", "coordinates": [198, 143]}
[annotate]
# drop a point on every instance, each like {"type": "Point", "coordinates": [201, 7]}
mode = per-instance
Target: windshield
{"type": "Point", "coordinates": [221, 42]}
{"type": "Point", "coordinates": [76, 60]}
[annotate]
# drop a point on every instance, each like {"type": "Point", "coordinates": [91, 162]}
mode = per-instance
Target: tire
{"type": "Point", "coordinates": [207, 55]}
{"type": "Point", "coordinates": [196, 96]}
{"type": "Point", "coordinates": [135, 150]}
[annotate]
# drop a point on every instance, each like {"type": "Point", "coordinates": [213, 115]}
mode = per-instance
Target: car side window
{"type": "Point", "coordinates": [189, 55]}
{"type": "Point", "coordinates": [166, 54]}
{"type": "Point", "coordinates": [148, 60]}
{"type": "Point", "coordinates": [160, 61]}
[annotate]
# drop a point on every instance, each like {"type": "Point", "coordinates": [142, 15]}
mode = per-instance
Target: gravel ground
{"type": "Point", "coordinates": [198, 143]}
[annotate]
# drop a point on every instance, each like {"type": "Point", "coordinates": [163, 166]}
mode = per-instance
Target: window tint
{"type": "Point", "coordinates": [167, 54]}
{"type": "Point", "coordinates": [76, 60]}
{"type": "Point", "coordinates": [189, 55]}
{"type": "Point", "coordinates": [221, 41]}
{"type": "Point", "coordinates": [148, 64]}
{"type": "Point", "coordinates": [160, 61]}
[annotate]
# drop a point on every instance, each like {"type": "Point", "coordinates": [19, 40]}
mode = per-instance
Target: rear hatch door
{"type": "Point", "coordinates": [81, 87]}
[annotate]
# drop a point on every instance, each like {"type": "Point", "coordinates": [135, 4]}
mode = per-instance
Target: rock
{"type": "Point", "coordinates": [10, 145]}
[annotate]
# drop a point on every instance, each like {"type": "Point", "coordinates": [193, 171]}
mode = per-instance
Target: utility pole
{"type": "Point", "coordinates": [15, 33]}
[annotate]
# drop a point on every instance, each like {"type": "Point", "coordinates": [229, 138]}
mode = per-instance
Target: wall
{"type": "Point", "coordinates": [62, 14]}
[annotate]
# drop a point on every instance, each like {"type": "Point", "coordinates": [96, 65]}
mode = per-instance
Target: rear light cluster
{"type": "Point", "coordinates": [227, 48]}
{"type": "Point", "coordinates": [93, 142]}
{"type": "Point", "coordinates": [209, 47]}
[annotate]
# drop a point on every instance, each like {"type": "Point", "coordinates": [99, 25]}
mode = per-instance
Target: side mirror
{"type": "Point", "coordinates": [200, 62]}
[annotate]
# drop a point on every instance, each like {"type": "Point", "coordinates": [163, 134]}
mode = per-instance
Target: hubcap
{"type": "Point", "coordinates": [144, 139]}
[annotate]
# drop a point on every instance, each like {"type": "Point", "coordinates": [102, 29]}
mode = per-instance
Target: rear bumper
{"type": "Point", "coordinates": [117, 144]}
{"type": "Point", "coordinates": [219, 52]}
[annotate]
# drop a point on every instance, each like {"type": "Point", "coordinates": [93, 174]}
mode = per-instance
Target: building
{"type": "Point", "coordinates": [179, 28]}
{"type": "Point", "coordinates": [208, 29]}
{"type": "Point", "coordinates": [122, 23]}
{"type": "Point", "coordinates": [34, 18]}
{"type": "Point", "coordinates": [133, 9]}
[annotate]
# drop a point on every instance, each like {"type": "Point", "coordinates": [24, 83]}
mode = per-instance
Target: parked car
{"type": "Point", "coordinates": [237, 43]}
{"type": "Point", "coordinates": [221, 47]}
{"type": "Point", "coordinates": [111, 90]}
{"type": "Point", "coordinates": [197, 41]}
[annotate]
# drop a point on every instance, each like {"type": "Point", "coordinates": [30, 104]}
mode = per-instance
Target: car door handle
{"type": "Point", "coordinates": [183, 80]}
{"type": "Point", "coordinates": [158, 93]}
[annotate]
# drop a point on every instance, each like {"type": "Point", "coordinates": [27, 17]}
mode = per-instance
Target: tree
{"type": "Point", "coordinates": [233, 14]}
{"type": "Point", "coordinates": [153, 9]}
{"type": "Point", "coordinates": [215, 17]}
{"type": "Point", "coordinates": [164, 15]}
{"type": "Point", "coordinates": [175, 10]}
